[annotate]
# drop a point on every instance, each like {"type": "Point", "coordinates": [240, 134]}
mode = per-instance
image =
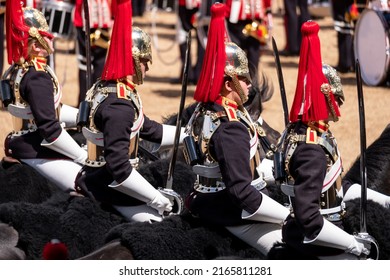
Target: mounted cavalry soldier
{"type": "Point", "coordinates": [32, 94]}
{"type": "Point", "coordinates": [116, 121]}
{"type": "Point", "coordinates": [223, 147]}
{"type": "Point", "coordinates": [313, 162]}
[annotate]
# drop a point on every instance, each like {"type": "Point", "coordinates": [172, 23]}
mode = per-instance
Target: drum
{"type": "Point", "coordinates": [371, 46]}
{"type": "Point", "coordinates": [205, 7]}
{"type": "Point", "coordinates": [58, 15]}
{"type": "Point", "coordinates": [319, 8]}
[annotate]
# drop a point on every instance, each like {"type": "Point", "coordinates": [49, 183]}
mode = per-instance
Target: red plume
{"type": "Point", "coordinates": [55, 250]}
{"type": "Point", "coordinates": [211, 75]}
{"type": "Point", "coordinates": [310, 78]}
{"type": "Point", "coordinates": [17, 32]}
{"type": "Point", "coordinates": [119, 62]}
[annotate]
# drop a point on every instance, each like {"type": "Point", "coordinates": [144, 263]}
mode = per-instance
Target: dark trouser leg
{"type": "Point", "coordinates": [346, 52]}
{"type": "Point", "coordinates": [98, 57]}
{"type": "Point", "coordinates": [199, 60]}
{"type": "Point", "coordinates": [303, 17]}
{"type": "Point", "coordinates": [344, 31]}
{"type": "Point", "coordinates": [291, 25]}
{"type": "Point", "coordinates": [2, 42]}
{"type": "Point", "coordinates": [185, 17]}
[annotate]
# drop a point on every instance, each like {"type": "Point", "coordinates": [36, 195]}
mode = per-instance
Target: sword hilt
{"type": "Point", "coordinates": [364, 237]}
{"type": "Point", "coordinates": [178, 202]}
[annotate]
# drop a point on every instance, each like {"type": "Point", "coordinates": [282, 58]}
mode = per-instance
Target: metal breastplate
{"type": "Point", "coordinates": [202, 126]}
{"type": "Point", "coordinates": [95, 140]}
{"type": "Point", "coordinates": [22, 117]}
{"type": "Point", "coordinates": [330, 206]}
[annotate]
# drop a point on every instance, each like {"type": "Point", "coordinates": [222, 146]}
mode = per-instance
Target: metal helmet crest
{"type": "Point", "coordinates": [141, 49]}
{"type": "Point", "coordinates": [236, 61]}
{"type": "Point", "coordinates": [35, 18]}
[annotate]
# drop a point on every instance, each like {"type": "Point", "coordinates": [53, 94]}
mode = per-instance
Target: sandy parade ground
{"type": "Point", "coordinates": [160, 98]}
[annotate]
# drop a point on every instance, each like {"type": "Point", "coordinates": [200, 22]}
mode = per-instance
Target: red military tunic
{"type": "Point", "coordinates": [248, 9]}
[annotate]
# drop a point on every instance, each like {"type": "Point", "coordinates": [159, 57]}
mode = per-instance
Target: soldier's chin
{"type": "Point", "coordinates": [244, 98]}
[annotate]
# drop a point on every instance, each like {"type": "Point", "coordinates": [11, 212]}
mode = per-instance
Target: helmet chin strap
{"type": "Point", "coordinates": [326, 90]}
{"type": "Point", "coordinates": [137, 66]}
{"type": "Point", "coordinates": [239, 89]}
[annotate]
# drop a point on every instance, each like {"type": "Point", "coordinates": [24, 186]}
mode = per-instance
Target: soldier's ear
{"type": "Point", "coordinates": [228, 85]}
{"type": "Point", "coordinates": [36, 47]}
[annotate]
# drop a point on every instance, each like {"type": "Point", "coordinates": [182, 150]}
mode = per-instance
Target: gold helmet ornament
{"type": "Point", "coordinates": [335, 82]}
{"type": "Point", "coordinates": [141, 49]}
{"type": "Point", "coordinates": [35, 19]}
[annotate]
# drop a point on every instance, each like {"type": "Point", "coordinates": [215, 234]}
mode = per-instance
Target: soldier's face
{"type": "Point", "coordinates": [37, 49]}
{"type": "Point", "coordinates": [245, 85]}
{"type": "Point", "coordinates": [144, 66]}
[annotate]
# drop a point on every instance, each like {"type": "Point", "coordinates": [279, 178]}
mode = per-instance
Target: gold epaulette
{"type": "Point", "coordinates": [231, 113]}
{"type": "Point", "coordinates": [311, 136]}
{"type": "Point", "coordinates": [122, 87]}
{"type": "Point", "coordinates": [39, 63]}
{"type": "Point", "coordinates": [121, 90]}
{"type": "Point", "coordinates": [230, 108]}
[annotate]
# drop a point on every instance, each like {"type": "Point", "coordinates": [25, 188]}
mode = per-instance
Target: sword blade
{"type": "Point", "coordinates": [87, 46]}
{"type": "Point", "coordinates": [363, 165]}
{"type": "Point", "coordinates": [180, 113]}
{"type": "Point", "coordinates": [281, 81]}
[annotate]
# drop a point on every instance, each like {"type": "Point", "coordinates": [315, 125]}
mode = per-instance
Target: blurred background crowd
{"type": "Point", "coordinates": [250, 24]}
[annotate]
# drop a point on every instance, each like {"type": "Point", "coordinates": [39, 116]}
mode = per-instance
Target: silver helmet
{"type": "Point", "coordinates": [237, 66]}
{"type": "Point", "coordinates": [37, 24]}
{"type": "Point", "coordinates": [141, 49]}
